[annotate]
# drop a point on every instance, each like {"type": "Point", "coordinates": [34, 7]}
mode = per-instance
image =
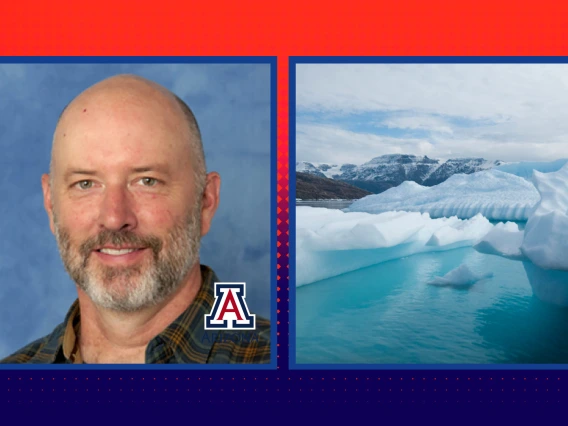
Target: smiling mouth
{"type": "Point", "coordinates": [118, 252]}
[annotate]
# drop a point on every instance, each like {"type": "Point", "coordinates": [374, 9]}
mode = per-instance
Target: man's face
{"type": "Point", "coordinates": [126, 215]}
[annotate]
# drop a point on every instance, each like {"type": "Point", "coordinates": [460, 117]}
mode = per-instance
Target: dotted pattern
{"type": "Point", "coordinates": [335, 387]}
{"type": "Point", "coordinates": [283, 214]}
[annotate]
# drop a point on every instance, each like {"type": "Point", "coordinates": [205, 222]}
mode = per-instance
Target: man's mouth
{"type": "Point", "coordinates": [119, 251]}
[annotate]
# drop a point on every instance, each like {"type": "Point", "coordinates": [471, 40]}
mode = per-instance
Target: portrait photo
{"type": "Point", "coordinates": [137, 207]}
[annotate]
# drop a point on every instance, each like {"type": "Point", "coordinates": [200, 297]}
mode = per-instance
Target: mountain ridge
{"type": "Point", "coordinates": [390, 170]}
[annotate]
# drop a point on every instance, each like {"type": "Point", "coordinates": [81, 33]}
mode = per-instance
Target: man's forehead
{"type": "Point", "coordinates": [125, 113]}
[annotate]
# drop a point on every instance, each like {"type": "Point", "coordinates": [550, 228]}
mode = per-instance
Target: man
{"type": "Point", "coordinates": [128, 200]}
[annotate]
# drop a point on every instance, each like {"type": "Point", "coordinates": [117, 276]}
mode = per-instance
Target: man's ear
{"type": "Point", "coordinates": [47, 201]}
{"type": "Point", "coordinates": [210, 201]}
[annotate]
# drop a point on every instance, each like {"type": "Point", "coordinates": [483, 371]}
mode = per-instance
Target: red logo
{"type": "Point", "coordinates": [230, 310]}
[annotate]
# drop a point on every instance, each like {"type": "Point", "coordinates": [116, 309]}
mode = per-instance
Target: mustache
{"type": "Point", "coordinates": [118, 238]}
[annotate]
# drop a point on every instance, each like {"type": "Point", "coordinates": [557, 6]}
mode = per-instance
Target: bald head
{"type": "Point", "coordinates": [120, 92]}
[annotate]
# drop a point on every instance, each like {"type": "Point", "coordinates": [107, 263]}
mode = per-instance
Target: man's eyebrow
{"type": "Point", "coordinates": [151, 168]}
{"type": "Point", "coordinates": [71, 172]}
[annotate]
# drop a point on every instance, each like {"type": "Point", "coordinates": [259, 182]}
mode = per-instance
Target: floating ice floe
{"type": "Point", "coordinates": [504, 240]}
{"type": "Point", "coordinates": [461, 276]}
{"type": "Point", "coordinates": [495, 194]}
{"type": "Point", "coordinates": [331, 242]}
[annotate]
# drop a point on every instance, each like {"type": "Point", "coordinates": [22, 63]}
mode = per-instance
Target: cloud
{"type": "Point", "coordinates": [514, 111]}
{"type": "Point", "coordinates": [326, 143]}
{"type": "Point", "coordinates": [432, 124]}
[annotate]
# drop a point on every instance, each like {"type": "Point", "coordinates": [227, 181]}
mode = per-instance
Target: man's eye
{"type": "Point", "coordinates": [85, 184]}
{"type": "Point", "coordinates": [147, 181]}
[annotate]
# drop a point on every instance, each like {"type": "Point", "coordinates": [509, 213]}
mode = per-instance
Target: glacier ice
{"type": "Point", "coordinates": [460, 230]}
{"type": "Point", "coordinates": [543, 244]}
{"type": "Point", "coordinates": [331, 242]}
{"type": "Point", "coordinates": [525, 169]}
{"type": "Point", "coordinates": [461, 276]}
{"type": "Point", "coordinates": [504, 240]}
{"type": "Point", "coordinates": [545, 240]}
{"type": "Point", "coordinates": [549, 285]}
{"type": "Point", "coordinates": [495, 194]}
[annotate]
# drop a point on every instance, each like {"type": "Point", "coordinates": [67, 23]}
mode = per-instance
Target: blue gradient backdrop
{"type": "Point", "coordinates": [232, 105]}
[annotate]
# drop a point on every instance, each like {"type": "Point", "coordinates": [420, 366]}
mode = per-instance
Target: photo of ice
{"type": "Point", "coordinates": [431, 217]}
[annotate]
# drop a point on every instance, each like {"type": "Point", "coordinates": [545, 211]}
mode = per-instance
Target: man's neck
{"type": "Point", "coordinates": [109, 337]}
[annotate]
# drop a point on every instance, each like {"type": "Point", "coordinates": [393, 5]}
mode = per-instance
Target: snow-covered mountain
{"type": "Point", "coordinates": [386, 171]}
{"type": "Point", "coordinates": [318, 169]}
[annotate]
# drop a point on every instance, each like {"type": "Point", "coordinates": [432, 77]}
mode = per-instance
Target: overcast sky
{"type": "Point", "coordinates": [350, 113]}
{"type": "Point", "coordinates": [232, 106]}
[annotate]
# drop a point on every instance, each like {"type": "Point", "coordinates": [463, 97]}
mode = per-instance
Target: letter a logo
{"type": "Point", "coordinates": [230, 310]}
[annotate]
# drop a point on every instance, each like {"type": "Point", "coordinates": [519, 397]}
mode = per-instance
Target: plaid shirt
{"type": "Point", "coordinates": [185, 341]}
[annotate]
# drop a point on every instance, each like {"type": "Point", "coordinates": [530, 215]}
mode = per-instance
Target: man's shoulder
{"type": "Point", "coordinates": [243, 346]}
{"type": "Point", "coordinates": [40, 351]}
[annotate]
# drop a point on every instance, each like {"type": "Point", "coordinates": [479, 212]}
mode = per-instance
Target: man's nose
{"type": "Point", "coordinates": [116, 211]}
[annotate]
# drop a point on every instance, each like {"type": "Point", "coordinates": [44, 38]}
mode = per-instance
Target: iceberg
{"type": "Point", "coordinates": [549, 285]}
{"type": "Point", "coordinates": [545, 240]}
{"type": "Point", "coordinates": [525, 169]}
{"type": "Point", "coordinates": [543, 244]}
{"type": "Point", "coordinates": [461, 276]}
{"type": "Point", "coordinates": [504, 240]}
{"type": "Point", "coordinates": [331, 242]}
{"type": "Point", "coordinates": [495, 194]}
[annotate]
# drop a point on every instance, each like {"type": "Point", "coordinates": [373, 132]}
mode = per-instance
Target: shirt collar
{"type": "Point", "coordinates": [184, 341]}
{"type": "Point", "coordinates": [70, 343]}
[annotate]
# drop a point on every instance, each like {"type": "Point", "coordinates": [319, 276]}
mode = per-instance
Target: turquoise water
{"type": "Point", "coordinates": [388, 314]}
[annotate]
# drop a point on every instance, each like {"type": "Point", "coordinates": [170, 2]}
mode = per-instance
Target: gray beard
{"type": "Point", "coordinates": [129, 289]}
